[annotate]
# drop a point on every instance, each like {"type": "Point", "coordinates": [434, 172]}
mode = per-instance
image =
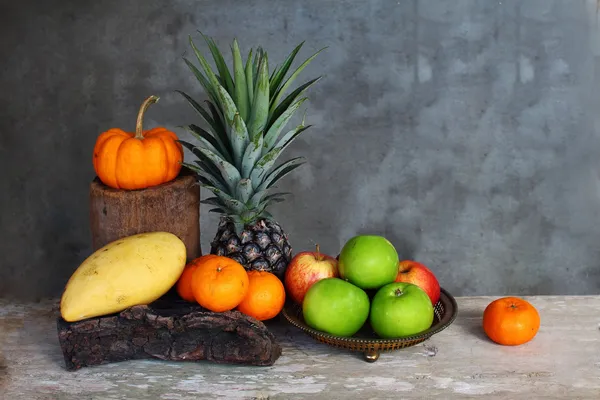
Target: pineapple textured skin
{"type": "Point", "coordinates": [263, 246]}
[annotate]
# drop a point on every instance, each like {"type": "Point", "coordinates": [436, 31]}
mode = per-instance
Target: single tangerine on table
{"type": "Point", "coordinates": [265, 297]}
{"type": "Point", "coordinates": [184, 283]}
{"type": "Point", "coordinates": [511, 321]}
{"type": "Point", "coordinates": [219, 283]}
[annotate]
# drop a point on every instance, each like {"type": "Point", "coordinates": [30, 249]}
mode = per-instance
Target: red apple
{"type": "Point", "coordinates": [418, 274]}
{"type": "Point", "coordinates": [305, 269]}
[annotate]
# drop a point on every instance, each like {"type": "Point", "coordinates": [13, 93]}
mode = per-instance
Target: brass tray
{"type": "Point", "coordinates": [366, 341]}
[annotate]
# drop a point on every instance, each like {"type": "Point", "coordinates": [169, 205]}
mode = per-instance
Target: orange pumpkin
{"type": "Point", "coordinates": [511, 321]}
{"type": "Point", "coordinates": [219, 283]}
{"type": "Point", "coordinates": [124, 160]}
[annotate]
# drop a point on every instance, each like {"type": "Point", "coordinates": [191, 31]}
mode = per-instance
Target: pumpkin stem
{"type": "Point", "coordinates": [139, 133]}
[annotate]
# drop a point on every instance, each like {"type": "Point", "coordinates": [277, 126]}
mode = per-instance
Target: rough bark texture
{"type": "Point", "coordinates": [172, 207]}
{"type": "Point", "coordinates": [168, 330]}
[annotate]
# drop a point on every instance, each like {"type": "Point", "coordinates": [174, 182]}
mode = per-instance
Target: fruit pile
{"type": "Point", "coordinates": [220, 284]}
{"type": "Point", "coordinates": [366, 282]}
{"type": "Point", "coordinates": [141, 268]}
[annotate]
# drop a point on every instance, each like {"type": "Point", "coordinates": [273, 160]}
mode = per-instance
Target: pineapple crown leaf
{"type": "Point", "coordinates": [279, 74]}
{"type": "Point", "coordinates": [255, 63]}
{"type": "Point", "coordinates": [280, 109]}
{"type": "Point", "coordinates": [220, 143]}
{"type": "Point", "coordinates": [303, 119]}
{"type": "Point", "coordinates": [228, 171]}
{"type": "Point", "coordinates": [202, 79]}
{"type": "Point", "coordinates": [277, 197]}
{"type": "Point", "coordinates": [238, 135]}
{"type": "Point", "coordinates": [214, 121]}
{"type": "Point", "coordinates": [204, 177]}
{"type": "Point", "coordinates": [251, 155]}
{"type": "Point", "coordinates": [241, 87]}
{"type": "Point", "coordinates": [199, 109]}
{"type": "Point", "coordinates": [228, 107]}
{"type": "Point", "coordinates": [256, 198]}
{"type": "Point", "coordinates": [213, 81]}
{"type": "Point", "coordinates": [259, 114]}
{"type": "Point", "coordinates": [207, 140]}
{"type": "Point", "coordinates": [248, 71]}
{"type": "Point", "coordinates": [230, 203]}
{"type": "Point", "coordinates": [287, 139]}
{"type": "Point", "coordinates": [277, 126]}
{"type": "Point", "coordinates": [214, 201]}
{"type": "Point", "coordinates": [291, 79]}
{"type": "Point", "coordinates": [268, 160]}
{"type": "Point", "coordinates": [208, 167]}
{"type": "Point", "coordinates": [217, 116]}
{"type": "Point", "coordinates": [281, 171]}
{"type": "Point", "coordinates": [219, 62]}
{"type": "Point", "coordinates": [243, 190]}
{"type": "Point", "coordinates": [267, 215]}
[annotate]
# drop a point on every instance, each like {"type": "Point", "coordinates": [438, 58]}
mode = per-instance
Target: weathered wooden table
{"type": "Point", "coordinates": [562, 362]}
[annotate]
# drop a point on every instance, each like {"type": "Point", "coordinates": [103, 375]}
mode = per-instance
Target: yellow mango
{"type": "Point", "coordinates": [130, 271]}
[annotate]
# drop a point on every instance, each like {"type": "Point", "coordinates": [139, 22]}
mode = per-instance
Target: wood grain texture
{"type": "Point", "coordinates": [167, 330]}
{"type": "Point", "coordinates": [172, 207]}
{"type": "Point", "coordinates": [562, 362]}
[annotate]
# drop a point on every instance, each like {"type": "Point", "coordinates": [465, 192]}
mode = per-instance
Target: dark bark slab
{"type": "Point", "coordinates": [171, 207]}
{"type": "Point", "coordinates": [168, 329]}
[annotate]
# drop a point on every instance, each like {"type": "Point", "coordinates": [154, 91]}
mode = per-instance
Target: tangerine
{"type": "Point", "coordinates": [184, 283]}
{"type": "Point", "coordinates": [511, 321]}
{"type": "Point", "coordinates": [219, 283]}
{"type": "Point", "coordinates": [265, 297]}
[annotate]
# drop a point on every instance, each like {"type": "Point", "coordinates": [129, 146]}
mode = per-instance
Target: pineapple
{"type": "Point", "coordinates": [246, 113]}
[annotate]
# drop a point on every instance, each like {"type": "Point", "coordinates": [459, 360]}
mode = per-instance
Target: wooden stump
{"type": "Point", "coordinates": [172, 207]}
{"type": "Point", "coordinates": [167, 330]}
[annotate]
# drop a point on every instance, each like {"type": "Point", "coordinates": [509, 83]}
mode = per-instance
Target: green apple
{"type": "Point", "coordinates": [400, 309]}
{"type": "Point", "coordinates": [368, 261]}
{"type": "Point", "coordinates": [335, 306]}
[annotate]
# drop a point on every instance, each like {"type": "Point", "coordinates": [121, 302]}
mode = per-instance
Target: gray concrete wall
{"type": "Point", "coordinates": [465, 131]}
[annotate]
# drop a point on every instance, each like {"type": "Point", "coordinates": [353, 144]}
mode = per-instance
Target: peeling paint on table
{"type": "Point", "coordinates": [563, 361]}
